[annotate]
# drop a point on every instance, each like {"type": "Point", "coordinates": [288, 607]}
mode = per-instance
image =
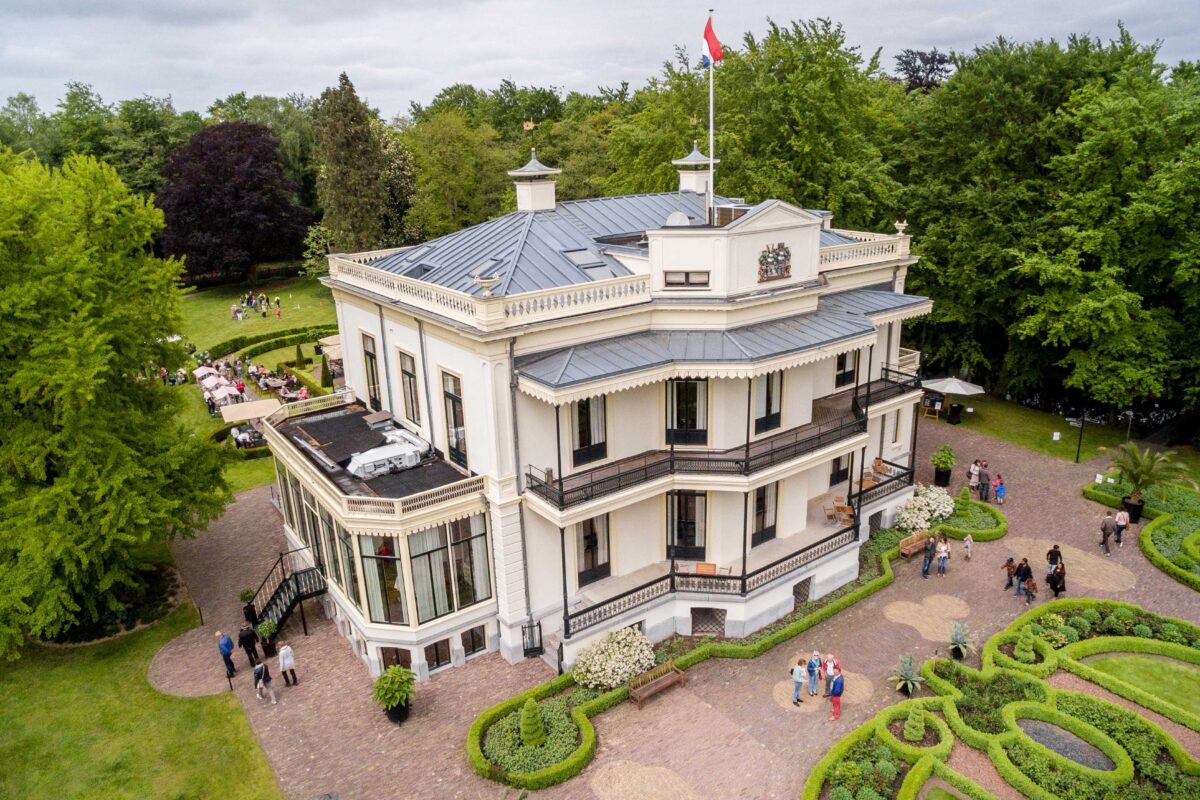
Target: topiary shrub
{"type": "Point", "coordinates": [1124, 614]}
{"type": "Point", "coordinates": [1113, 626]}
{"type": "Point", "coordinates": [882, 753]}
{"type": "Point", "coordinates": [326, 375]}
{"type": "Point", "coordinates": [504, 747]}
{"type": "Point", "coordinates": [1091, 615]}
{"type": "Point", "coordinates": [1171, 633]}
{"type": "Point", "coordinates": [1143, 631]}
{"type": "Point", "coordinates": [887, 771]}
{"type": "Point", "coordinates": [1023, 652]}
{"type": "Point", "coordinates": [533, 730]}
{"type": "Point", "coordinates": [1081, 624]}
{"type": "Point", "coordinates": [1054, 637]}
{"type": "Point", "coordinates": [867, 793]}
{"type": "Point", "coordinates": [914, 725]}
{"type": "Point", "coordinates": [1069, 634]}
{"type": "Point", "coordinates": [840, 793]}
{"type": "Point", "coordinates": [613, 660]}
{"type": "Point", "coordinates": [866, 768]}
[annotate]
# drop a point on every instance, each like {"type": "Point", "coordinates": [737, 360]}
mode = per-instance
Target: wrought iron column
{"type": "Point", "coordinates": [558, 454]}
{"type": "Point", "coordinates": [745, 527]}
{"type": "Point", "coordinates": [749, 416]}
{"type": "Point", "coordinates": [870, 359]}
{"type": "Point", "coordinates": [562, 547]}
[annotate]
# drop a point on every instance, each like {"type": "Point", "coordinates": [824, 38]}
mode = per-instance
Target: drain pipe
{"type": "Point", "coordinates": [512, 395]}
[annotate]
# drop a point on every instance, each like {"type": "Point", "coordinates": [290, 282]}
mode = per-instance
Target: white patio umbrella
{"type": "Point", "coordinates": [223, 394]}
{"type": "Point", "coordinates": [951, 386]}
{"type": "Point", "coordinates": [201, 372]}
{"type": "Point", "coordinates": [213, 381]}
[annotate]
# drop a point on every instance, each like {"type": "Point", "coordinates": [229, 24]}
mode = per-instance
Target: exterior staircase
{"type": "Point", "coordinates": [292, 580]}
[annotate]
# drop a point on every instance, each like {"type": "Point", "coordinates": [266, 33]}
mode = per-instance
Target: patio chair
{"type": "Point", "coordinates": [831, 515]}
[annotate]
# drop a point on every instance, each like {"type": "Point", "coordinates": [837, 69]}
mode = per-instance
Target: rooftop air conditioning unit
{"type": "Point", "coordinates": [403, 451]}
{"type": "Point", "coordinates": [727, 214]}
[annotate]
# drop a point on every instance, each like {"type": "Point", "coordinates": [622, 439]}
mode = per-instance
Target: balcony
{"type": "Point", "coordinates": [610, 598]}
{"type": "Point", "coordinates": [891, 383]}
{"type": "Point", "coordinates": [836, 417]}
{"type": "Point", "coordinates": [886, 479]}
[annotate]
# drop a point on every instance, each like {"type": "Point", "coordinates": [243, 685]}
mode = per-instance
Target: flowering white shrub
{"type": "Point", "coordinates": [613, 660]}
{"type": "Point", "coordinates": [927, 507]}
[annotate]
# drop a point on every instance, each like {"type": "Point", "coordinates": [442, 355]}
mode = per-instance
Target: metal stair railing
{"type": "Point", "coordinates": [290, 581]}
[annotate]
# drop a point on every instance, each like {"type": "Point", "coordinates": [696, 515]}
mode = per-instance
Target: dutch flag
{"type": "Point", "coordinates": [712, 44]}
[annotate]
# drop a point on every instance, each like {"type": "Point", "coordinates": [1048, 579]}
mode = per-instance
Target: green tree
{"type": "Point", "coordinates": [317, 246]}
{"type": "Point", "coordinates": [350, 184]}
{"type": "Point", "coordinates": [398, 178]}
{"type": "Point", "coordinates": [533, 729]}
{"type": "Point", "coordinates": [96, 467]}
{"type": "Point", "coordinates": [914, 725]}
{"type": "Point", "coordinates": [460, 175]}
{"type": "Point", "coordinates": [291, 118]}
{"type": "Point", "coordinates": [23, 126]}
{"type": "Point", "coordinates": [141, 135]}
{"type": "Point", "coordinates": [81, 123]}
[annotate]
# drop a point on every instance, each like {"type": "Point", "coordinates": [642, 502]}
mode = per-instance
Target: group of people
{"type": "Point", "coordinates": [248, 641]}
{"type": "Point", "coordinates": [939, 549]}
{"type": "Point", "coordinates": [809, 675]}
{"type": "Point", "coordinates": [981, 482]}
{"type": "Point", "coordinates": [1020, 575]}
{"type": "Point", "coordinates": [253, 301]}
{"type": "Point", "coordinates": [1112, 526]}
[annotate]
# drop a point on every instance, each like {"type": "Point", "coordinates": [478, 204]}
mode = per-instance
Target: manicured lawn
{"type": "Point", "coordinates": [241, 474]}
{"type": "Point", "coordinates": [1173, 681]}
{"type": "Point", "coordinates": [193, 411]}
{"type": "Point", "coordinates": [206, 319]}
{"type": "Point", "coordinates": [249, 474]}
{"type": "Point", "coordinates": [1030, 428]}
{"type": "Point", "coordinates": [273, 357]}
{"type": "Point", "coordinates": [85, 723]}
{"type": "Point", "coordinates": [938, 793]}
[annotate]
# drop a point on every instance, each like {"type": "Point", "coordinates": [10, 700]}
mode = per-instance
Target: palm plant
{"type": "Point", "coordinates": [1142, 469]}
{"type": "Point", "coordinates": [960, 639]}
{"type": "Point", "coordinates": [906, 676]}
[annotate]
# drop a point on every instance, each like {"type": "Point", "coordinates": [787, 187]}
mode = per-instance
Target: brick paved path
{"type": "Point", "coordinates": [731, 732]}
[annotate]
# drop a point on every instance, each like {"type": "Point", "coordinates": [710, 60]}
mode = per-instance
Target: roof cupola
{"type": "Point", "coordinates": [535, 187]}
{"type": "Point", "coordinates": [693, 170]}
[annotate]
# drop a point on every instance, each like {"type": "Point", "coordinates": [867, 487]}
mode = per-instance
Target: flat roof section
{"type": "Point", "coordinates": [328, 439]}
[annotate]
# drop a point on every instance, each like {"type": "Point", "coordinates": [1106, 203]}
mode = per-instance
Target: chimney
{"type": "Point", "coordinates": [535, 190]}
{"type": "Point", "coordinates": [693, 170]}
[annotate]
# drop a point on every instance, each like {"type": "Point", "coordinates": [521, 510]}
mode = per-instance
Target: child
{"type": "Point", "coordinates": [967, 542]}
{"type": "Point", "coordinates": [1010, 567]}
{"type": "Point", "coordinates": [1030, 587]}
{"type": "Point", "coordinates": [1000, 490]}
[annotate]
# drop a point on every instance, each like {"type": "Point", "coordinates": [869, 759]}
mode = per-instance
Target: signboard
{"type": "Point", "coordinates": [932, 400]}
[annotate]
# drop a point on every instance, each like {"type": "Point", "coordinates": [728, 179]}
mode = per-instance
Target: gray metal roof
{"type": "Point", "coordinates": [832, 238]}
{"type": "Point", "coordinates": [636, 352]}
{"type": "Point", "coordinates": [871, 300]}
{"type": "Point", "coordinates": [532, 250]}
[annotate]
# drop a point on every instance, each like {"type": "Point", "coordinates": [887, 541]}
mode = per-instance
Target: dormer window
{"type": "Point", "coordinates": [685, 279]}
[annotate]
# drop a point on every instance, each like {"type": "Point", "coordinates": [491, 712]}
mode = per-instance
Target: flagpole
{"type": "Point", "coordinates": [712, 156]}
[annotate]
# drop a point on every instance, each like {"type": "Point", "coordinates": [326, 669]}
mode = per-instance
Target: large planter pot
{"type": "Point", "coordinates": [250, 614]}
{"type": "Point", "coordinates": [398, 714]}
{"type": "Point", "coordinates": [1134, 509]}
{"type": "Point", "coordinates": [941, 477]}
{"type": "Point", "coordinates": [956, 653]}
{"type": "Point", "coordinates": [268, 646]}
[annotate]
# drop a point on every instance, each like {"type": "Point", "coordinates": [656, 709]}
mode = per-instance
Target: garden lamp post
{"type": "Point", "coordinates": [1082, 423]}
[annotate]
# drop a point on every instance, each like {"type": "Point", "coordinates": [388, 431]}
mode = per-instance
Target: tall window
{"type": "Point", "coordinates": [686, 525]}
{"type": "Point", "coordinates": [588, 430]}
{"type": "Point", "coordinates": [896, 427]}
{"type": "Point", "coordinates": [384, 580]}
{"type": "Point", "coordinates": [371, 367]}
{"type": "Point", "coordinates": [312, 530]}
{"type": "Point", "coordinates": [687, 412]}
{"type": "Point", "coordinates": [450, 567]}
{"type": "Point", "coordinates": [408, 380]}
{"type": "Point", "coordinates": [333, 567]}
{"type": "Point", "coordinates": [840, 470]}
{"type": "Point", "coordinates": [765, 498]}
{"type": "Point", "coordinates": [285, 491]}
{"type": "Point", "coordinates": [347, 552]}
{"type": "Point", "coordinates": [456, 431]}
{"type": "Point", "coordinates": [297, 506]}
{"type": "Point", "coordinates": [768, 391]}
{"type": "Point", "coordinates": [845, 369]}
{"type": "Point", "coordinates": [591, 549]}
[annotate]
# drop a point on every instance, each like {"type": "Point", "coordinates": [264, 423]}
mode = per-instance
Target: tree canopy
{"type": "Point", "coordinates": [94, 467]}
{"type": "Point", "coordinates": [228, 203]}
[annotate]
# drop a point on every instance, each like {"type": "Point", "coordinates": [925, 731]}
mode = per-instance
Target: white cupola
{"type": "Point", "coordinates": [693, 170]}
{"type": "Point", "coordinates": [535, 189]}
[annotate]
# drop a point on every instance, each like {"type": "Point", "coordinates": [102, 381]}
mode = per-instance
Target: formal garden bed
{"type": "Point", "coordinates": [1047, 743]}
{"type": "Point", "coordinates": [505, 760]}
{"type": "Point", "coordinates": [1172, 539]}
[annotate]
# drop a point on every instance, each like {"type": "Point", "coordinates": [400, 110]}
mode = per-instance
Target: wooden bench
{"type": "Point", "coordinates": [913, 544]}
{"type": "Point", "coordinates": [706, 568]}
{"type": "Point", "coordinates": [654, 681]}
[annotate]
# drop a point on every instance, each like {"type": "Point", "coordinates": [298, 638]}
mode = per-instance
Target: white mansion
{"type": "Point", "coordinates": [599, 413]}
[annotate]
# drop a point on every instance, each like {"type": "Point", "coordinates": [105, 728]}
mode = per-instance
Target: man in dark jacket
{"type": "Point", "coordinates": [1024, 572]}
{"type": "Point", "coordinates": [928, 559]}
{"type": "Point", "coordinates": [1053, 557]}
{"type": "Point", "coordinates": [248, 641]}
{"type": "Point", "coordinates": [225, 646]}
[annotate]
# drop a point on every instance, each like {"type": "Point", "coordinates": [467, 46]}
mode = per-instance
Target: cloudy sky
{"type": "Point", "coordinates": [397, 51]}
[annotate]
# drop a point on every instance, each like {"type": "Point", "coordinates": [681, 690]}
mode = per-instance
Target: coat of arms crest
{"type": "Point", "coordinates": [774, 263]}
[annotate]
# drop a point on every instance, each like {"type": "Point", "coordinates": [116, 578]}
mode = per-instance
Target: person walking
{"type": "Point", "coordinates": [248, 641]}
{"type": "Point", "coordinates": [968, 541]}
{"type": "Point", "coordinates": [799, 675]}
{"type": "Point", "coordinates": [835, 693]}
{"type": "Point", "coordinates": [973, 476]}
{"type": "Point", "coordinates": [828, 667]}
{"type": "Point", "coordinates": [1122, 522]}
{"type": "Point", "coordinates": [1107, 528]}
{"type": "Point", "coordinates": [287, 664]}
{"type": "Point", "coordinates": [1030, 589]}
{"type": "Point", "coordinates": [1024, 572]}
{"type": "Point", "coordinates": [262, 681]}
{"type": "Point", "coordinates": [1010, 568]}
{"type": "Point", "coordinates": [1057, 581]}
{"type": "Point", "coordinates": [943, 556]}
{"type": "Point", "coordinates": [927, 561]}
{"type": "Point", "coordinates": [985, 482]}
{"type": "Point", "coordinates": [1001, 490]}
{"type": "Point", "coordinates": [814, 673]}
{"type": "Point", "coordinates": [225, 646]}
{"type": "Point", "coordinates": [1053, 559]}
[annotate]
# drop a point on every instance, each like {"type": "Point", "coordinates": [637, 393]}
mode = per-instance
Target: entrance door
{"type": "Point", "coordinates": [592, 549]}
{"type": "Point", "coordinates": [686, 519]}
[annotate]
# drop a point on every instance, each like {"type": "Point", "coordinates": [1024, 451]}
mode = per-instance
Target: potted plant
{"type": "Point", "coordinates": [961, 642]}
{"type": "Point", "coordinates": [943, 461]}
{"type": "Point", "coordinates": [394, 692]}
{"type": "Point", "coordinates": [1142, 469]}
{"type": "Point", "coordinates": [247, 598]}
{"type": "Point", "coordinates": [906, 675]}
{"type": "Point", "coordinates": [267, 631]}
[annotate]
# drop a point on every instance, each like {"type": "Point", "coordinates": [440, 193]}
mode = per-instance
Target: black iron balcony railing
{"type": "Point", "coordinates": [897, 477]}
{"type": "Point", "coordinates": [677, 581]}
